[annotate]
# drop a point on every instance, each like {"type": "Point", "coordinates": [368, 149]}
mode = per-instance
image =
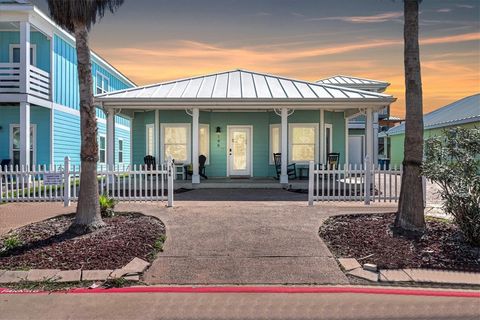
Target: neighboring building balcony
{"type": "Point", "coordinates": [35, 82]}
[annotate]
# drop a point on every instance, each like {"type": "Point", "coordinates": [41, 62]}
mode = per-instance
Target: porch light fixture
{"type": "Point", "coordinates": [218, 131]}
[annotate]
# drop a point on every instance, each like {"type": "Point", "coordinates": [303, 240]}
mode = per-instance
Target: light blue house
{"type": "Point", "coordinates": [39, 93]}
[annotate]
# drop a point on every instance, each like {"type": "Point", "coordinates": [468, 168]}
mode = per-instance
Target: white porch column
{"type": "Point", "coordinates": [195, 141]}
{"type": "Point", "coordinates": [157, 135]}
{"type": "Point", "coordinates": [111, 138]}
{"type": "Point", "coordinates": [25, 134]}
{"type": "Point", "coordinates": [284, 159]}
{"type": "Point", "coordinates": [322, 136]}
{"type": "Point", "coordinates": [375, 138]}
{"type": "Point", "coordinates": [369, 134]}
{"type": "Point", "coordinates": [346, 141]}
{"type": "Point", "coordinates": [24, 56]}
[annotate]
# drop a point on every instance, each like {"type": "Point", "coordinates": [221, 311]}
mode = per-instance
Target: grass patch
{"type": "Point", "coordinates": [438, 219]}
{"type": "Point", "coordinates": [47, 285]}
{"type": "Point", "coordinates": [52, 286]}
{"type": "Point", "coordinates": [116, 283]}
{"type": "Point", "coordinates": [157, 247]}
{"type": "Point", "coordinates": [10, 243]}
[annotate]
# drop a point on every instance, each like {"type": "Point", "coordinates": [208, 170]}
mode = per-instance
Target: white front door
{"type": "Point", "coordinates": [239, 154]}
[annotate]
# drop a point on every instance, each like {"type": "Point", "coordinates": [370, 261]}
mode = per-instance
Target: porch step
{"type": "Point", "coordinates": [240, 184]}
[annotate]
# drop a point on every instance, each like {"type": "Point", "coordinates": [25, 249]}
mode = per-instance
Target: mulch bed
{"type": "Point", "coordinates": [48, 245]}
{"type": "Point", "coordinates": [360, 236]}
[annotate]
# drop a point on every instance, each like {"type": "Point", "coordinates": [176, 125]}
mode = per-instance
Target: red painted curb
{"type": "Point", "coordinates": [246, 289]}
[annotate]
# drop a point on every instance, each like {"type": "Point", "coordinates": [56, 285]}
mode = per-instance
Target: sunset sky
{"type": "Point", "coordinates": [155, 40]}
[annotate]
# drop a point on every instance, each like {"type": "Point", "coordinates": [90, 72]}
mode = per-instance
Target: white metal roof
{"type": "Point", "coordinates": [241, 85]}
{"type": "Point", "coordinates": [357, 83]}
{"type": "Point", "coordinates": [465, 110]}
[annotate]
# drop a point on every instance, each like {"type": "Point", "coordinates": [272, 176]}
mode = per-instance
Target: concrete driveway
{"type": "Point", "coordinates": [247, 236]}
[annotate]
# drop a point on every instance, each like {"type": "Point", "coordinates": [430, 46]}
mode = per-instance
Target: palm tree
{"type": "Point", "coordinates": [410, 218]}
{"type": "Point", "coordinates": [77, 16]}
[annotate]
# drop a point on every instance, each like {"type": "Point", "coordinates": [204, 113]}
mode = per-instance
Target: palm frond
{"type": "Point", "coordinates": [86, 12]}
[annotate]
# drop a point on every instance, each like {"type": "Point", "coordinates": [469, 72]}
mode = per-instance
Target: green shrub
{"type": "Point", "coordinates": [106, 206]}
{"type": "Point", "coordinates": [158, 245]}
{"type": "Point", "coordinates": [10, 243]}
{"type": "Point", "coordinates": [453, 162]}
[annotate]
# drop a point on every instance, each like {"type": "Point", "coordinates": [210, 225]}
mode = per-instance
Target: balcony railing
{"type": "Point", "coordinates": [39, 80]}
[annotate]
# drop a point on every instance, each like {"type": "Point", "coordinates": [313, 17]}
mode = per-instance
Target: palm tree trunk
{"type": "Point", "coordinates": [410, 218]}
{"type": "Point", "coordinates": [88, 216]}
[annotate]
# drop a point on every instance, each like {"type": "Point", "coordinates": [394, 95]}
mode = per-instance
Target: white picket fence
{"type": "Point", "coordinates": [61, 183]}
{"type": "Point", "coordinates": [367, 183]}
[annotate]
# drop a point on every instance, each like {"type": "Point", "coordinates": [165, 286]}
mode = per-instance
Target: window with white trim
{"type": "Point", "coordinates": [275, 141]}
{"type": "Point", "coordinates": [176, 141]}
{"type": "Point", "coordinates": [150, 139]}
{"type": "Point", "coordinates": [15, 144]}
{"type": "Point", "coordinates": [204, 143]}
{"type": "Point", "coordinates": [120, 150]}
{"type": "Point", "coordinates": [102, 83]}
{"type": "Point", "coordinates": [102, 149]}
{"type": "Point", "coordinates": [303, 139]}
{"type": "Point", "coordinates": [15, 54]}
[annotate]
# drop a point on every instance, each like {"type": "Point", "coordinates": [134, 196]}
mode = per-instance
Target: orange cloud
{"type": "Point", "coordinates": [446, 76]}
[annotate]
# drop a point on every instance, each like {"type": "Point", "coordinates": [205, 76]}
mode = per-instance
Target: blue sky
{"type": "Point", "coordinates": [156, 40]}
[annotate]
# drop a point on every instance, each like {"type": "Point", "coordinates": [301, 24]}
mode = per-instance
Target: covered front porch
{"type": "Point", "coordinates": [238, 120]}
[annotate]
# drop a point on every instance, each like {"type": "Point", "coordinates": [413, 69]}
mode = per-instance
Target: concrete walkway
{"type": "Point", "coordinates": [264, 237]}
{"type": "Point", "coordinates": [14, 215]}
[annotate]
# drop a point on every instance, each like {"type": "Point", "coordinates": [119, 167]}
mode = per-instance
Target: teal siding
{"type": "Point", "coordinates": [66, 76]}
{"type": "Point", "coordinates": [337, 120]}
{"type": "Point", "coordinates": [38, 39]}
{"type": "Point", "coordinates": [114, 82]}
{"type": "Point", "coordinates": [40, 117]}
{"type": "Point", "coordinates": [66, 137]}
{"type": "Point", "coordinates": [138, 132]}
{"type": "Point", "coordinates": [67, 126]}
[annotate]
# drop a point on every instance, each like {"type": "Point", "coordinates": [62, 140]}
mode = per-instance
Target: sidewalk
{"type": "Point", "coordinates": [190, 305]}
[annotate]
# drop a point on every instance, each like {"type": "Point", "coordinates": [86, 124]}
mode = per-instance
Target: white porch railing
{"type": "Point", "coordinates": [365, 183]}
{"type": "Point", "coordinates": [61, 183]}
{"type": "Point", "coordinates": [39, 83]}
{"type": "Point", "coordinates": [9, 77]}
{"type": "Point", "coordinates": [39, 80]}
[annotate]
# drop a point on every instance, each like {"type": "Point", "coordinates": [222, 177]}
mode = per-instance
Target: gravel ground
{"type": "Point", "coordinates": [48, 244]}
{"type": "Point", "coordinates": [360, 236]}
